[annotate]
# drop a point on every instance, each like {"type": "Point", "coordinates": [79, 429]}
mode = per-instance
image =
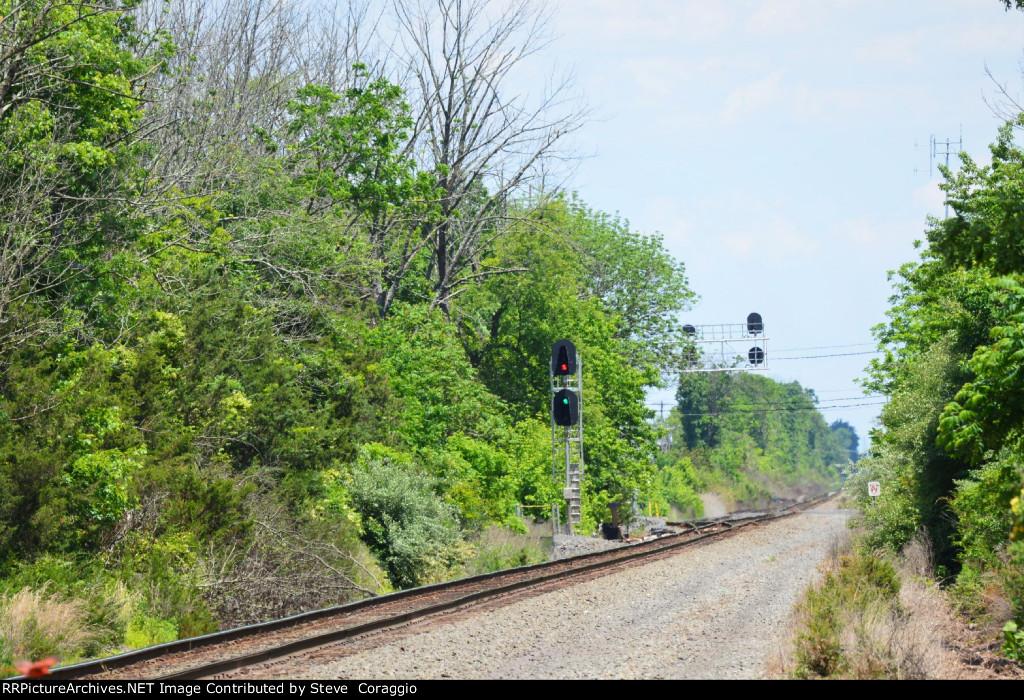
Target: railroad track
{"type": "Point", "coordinates": [221, 652]}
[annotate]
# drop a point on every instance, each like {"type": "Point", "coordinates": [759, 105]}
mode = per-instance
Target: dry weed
{"type": "Point", "coordinates": [34, 624]}
{"type": "Point", "coordinates": [880, 641]}
{"type": "Point", "coordinates": [873, 636]}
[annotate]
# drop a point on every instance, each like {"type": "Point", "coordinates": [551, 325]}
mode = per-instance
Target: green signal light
{"type": "Point", "coordinates": [565, 401]}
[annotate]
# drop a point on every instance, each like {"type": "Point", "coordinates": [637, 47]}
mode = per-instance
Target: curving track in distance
{"type": "Point", "coordinates": [221, 652]}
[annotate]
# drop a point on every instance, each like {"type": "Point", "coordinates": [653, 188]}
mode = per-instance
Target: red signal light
{"type": "Point", "coordinates": [563, 358]}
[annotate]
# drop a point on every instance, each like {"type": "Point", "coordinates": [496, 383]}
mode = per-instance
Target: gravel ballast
{"type": "Point", "coordinates": [714, 611]}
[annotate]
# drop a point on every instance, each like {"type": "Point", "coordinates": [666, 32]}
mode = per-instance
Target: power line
{"type": "Point", "coordinates": [809, 347]}
{"type": "Point", "coordinates": [823, 347]}
{"type": "Point", "coordinates": [843, 398]}
{"type": "Point", "coordinates": [785, 406]}
{"type": "Point", "coordinates": [838, 354]}
{"type": "Point", "coordinates": [785, 409]}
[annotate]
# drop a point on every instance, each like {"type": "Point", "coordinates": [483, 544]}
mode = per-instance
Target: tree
{"type": "Point", "coordinates": [633, 275]}
{"type": "Point", "coordinates": [700, 397]}
{"type": "Point", "coordinates": [71, 92]}
{"type": "Point", "coordinates": [487, 146]}
{"type": "Point", "coordinates": [950, 443]}
{"type": "Point", "coordinates": [847, 437]}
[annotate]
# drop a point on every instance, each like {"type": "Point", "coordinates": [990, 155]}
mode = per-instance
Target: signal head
{"type": "Point", "coordinates": [563, 358]}
{"type": "Point", "coordinates": [565, 408]}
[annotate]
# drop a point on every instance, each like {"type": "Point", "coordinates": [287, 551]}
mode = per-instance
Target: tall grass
{"type": "Point", "coordinates": [499, 548]}
{"type": "Point", "coordinates": [869, 616]}
{"type": "Point", "coordinates": [36, 624]}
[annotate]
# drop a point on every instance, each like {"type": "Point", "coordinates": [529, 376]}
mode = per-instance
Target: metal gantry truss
{"type": "Point", "coordinates": [567, 446]}
{"type": "Point", "coordinates": [726, 347]}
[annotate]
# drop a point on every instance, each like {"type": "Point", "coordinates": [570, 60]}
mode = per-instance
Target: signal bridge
{"type": "Point", "coordinates": [726, 347]}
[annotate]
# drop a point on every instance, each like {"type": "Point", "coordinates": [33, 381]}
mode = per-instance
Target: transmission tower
{"type": "Point", "coordinates": [942, 149]}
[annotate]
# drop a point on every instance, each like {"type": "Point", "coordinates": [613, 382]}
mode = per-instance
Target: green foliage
{"type": "Point", "coordinates": [412, 530]}
{"type": "Point", "coordinates": [986, 231]}
{"type": "Point", "coordinates": [633, 275]}
{"type": "Point", "coordinates": [846, 435]}
{"type": "Point", "coordinates": [1017, 516]}
{"type": "Point", "coordinates": [950, 452]}
{"type": "Point", "coordinates": [916, 475]}
{"type": "Point", "coordinates": [220, 371]}
{"type": "Point", "coordinates": [1011, 578]}
{"type": "Point", "coordinates": [145, 631]}
{"type": "Point", "coordinates": [500, 548]}
{"type": "Point", "coordinates": [60, 605]}
{"type": "Point", "coordinates": [818, 650]}
{"type": "Point", "coordinates": [981, 503]}
{"type": "Point", "coordinates": [432, 378]}
{"type": "Point", "coordinates": [988, 411]}
{"type": "Point", "coordinates": [351, 147]}
{"type": "Point", "coordinates": [753, 437]}
{"type": "Point", "coordinates": [857, 583]}
{"type": "Point", "coordinates": [677, 485]}
{"type": "Point", "coordinates": [1013, 646]}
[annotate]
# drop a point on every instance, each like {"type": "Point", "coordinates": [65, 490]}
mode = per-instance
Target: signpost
{"type": "Point", "coordinates": [874, 490]}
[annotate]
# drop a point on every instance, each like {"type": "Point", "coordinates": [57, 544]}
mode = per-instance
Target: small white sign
{"type": "Point", "coordinates": [874, 489]}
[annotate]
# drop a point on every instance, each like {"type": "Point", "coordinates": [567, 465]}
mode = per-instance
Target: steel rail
{"type": "Point", "coordinates": [608, 558]}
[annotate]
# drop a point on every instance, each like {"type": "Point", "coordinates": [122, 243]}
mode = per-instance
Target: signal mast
{"type": "Point", "coordinates": [566, 379]}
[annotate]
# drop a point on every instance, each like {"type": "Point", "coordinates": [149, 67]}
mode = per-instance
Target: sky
{"type": "Point", "coordinates": [780, 147]}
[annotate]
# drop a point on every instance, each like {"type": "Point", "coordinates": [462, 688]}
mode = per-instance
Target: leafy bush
{"type": "Point", "coordinates": [1013, 644]}
{"type": "Point", "coordinates": [167, 575]}
{"type": "Point", "coordinates": [676, 486]}
{"type": "Point", "coordinates": [413, 532]}
{"type": "Point", "coordinates": [838, 619]}
{"type": "Point", "coordinates": [818, 649]}
{"type": "Point", "coordinates": [145, 631]}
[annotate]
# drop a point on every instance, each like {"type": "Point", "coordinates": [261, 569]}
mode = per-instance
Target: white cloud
{"type": "Point", "coordinates": [662, 76]}
{"type": "Point", "coordinates": [869, 236]}
{"type": "Point", "coordinates": [741, 244]}
{"type": "Point", "coordinates": [908, 48]}
{"type": "Point", "coordinates": [770, 96]}
{"type": "Point", "coordinates": [929, 197]}
{"type": "Point", "coordinates": [773, 239]}
{"type": "Point", "coordinates": [657, 76]}
{"type": "Point", "coordinates": [977, 37]}
{"type": "Point", "coordinates": [752, 97]}
{"type": "Point", "coordinates": [693, 21]}
{"type": "Point", "coordinates": [780, 17]}
{"type": "Point", "coordinates": [903, 49]}
{"type": "Point", "coordinates": [667, 218]}
{"type": "Point", "coordinates": [830, 104]}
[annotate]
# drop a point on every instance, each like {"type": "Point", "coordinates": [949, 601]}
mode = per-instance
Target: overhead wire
{"type": "Point", "coordinates": [824, 347]}
{"type": "Point", "coordinates": [782, 409]}
{"type": "Point", "coordinates": [834, 400]}
{"type": "Point", "coordinates": [777, 407]}
{"type": "Point", "coordinates": [815, 357]}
